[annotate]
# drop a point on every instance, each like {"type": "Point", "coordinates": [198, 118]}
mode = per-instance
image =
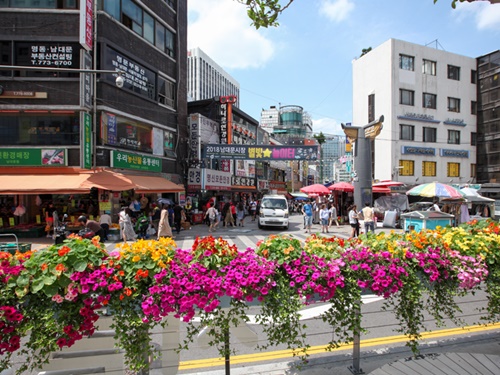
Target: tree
{"type": "Point", "coordinates": [364, 51]}
{"type": "Point", "coordinates": [320, 138]}
{"type": "Point", "coordinates": [265, 13]}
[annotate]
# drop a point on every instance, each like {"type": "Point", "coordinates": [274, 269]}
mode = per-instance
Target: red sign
{"type": "Point", "coordinates": [86, 24]}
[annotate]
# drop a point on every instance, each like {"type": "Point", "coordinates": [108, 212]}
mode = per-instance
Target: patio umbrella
{"type": "Point", "coordinates": [388, 183]}
{"type": "Point", "coordinates": [435, 189]}
{"type": "Point", "coordinates": [165, 201]}
{"type": "Point", "coordinates": [342, 186]}
{"type": "Point", "coordinates": [315, 189]}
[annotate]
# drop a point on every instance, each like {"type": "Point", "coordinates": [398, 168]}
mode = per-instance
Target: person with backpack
{"type": "Point", "coordinates": [212, 216]}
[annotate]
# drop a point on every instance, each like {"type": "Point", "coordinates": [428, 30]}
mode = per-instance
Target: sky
{"type": "Point", "coordinates": [307, 59]}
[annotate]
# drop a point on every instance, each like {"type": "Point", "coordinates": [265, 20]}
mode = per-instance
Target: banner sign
{"type": "Point", "coordinates": [86, 24]}
{"type": "Point", "coordinates": [261, 152]}
{"type": "Point", "coordinates": [126, 160]}
{"type": "Point", "coordinates": [33, 157]}
{"type": "Point", "coordinates": [86, 141]}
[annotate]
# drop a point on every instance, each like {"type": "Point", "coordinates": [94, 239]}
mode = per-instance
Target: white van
{"type": "Point", "coordinates": [273, 211]}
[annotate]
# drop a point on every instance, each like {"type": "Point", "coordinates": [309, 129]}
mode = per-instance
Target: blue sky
{"type": "Point", "coordinates": [307, 60]}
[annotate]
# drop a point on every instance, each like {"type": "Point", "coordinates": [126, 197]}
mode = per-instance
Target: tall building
{"type": "Point", "coordinates": [488, 112]}
{"type": "Point", "coordinates": [331, 151]}
{"type": "Point", "coordinates": [428, 99]}
{"type": "Point", "coordinates": [57, 126]}
{"type": "Point", "coordinates": [269, 118]}
{"type": "Point", "coordinates": [206, 79]}
{"type": "Point", "coordinates": [288, 124]}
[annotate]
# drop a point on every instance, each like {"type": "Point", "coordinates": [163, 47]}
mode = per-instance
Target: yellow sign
{"type": "Point", "coordinates": [38, 219]}
{"type": "Point", "coordinates": [12, 222]}
{"type": "Point", "coordinates": [105, 206]}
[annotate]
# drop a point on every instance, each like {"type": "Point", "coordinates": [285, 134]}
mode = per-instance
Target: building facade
{"type": "Point", "coordinates": [331, 151]}
{"type": "Point", "coordinates": [206, 79]}
{"type": "Point", "coordinates": [60, 121]}
{"type": "Point", "coordinates": [488, 112]}
{"type": "Point", "coordinates": [428, 99]}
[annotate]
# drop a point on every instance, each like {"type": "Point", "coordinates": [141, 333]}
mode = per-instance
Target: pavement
{"type": "Point", "coordinates": [470, 349]}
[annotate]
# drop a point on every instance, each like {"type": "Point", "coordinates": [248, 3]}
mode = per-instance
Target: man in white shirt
{"type": "Point", "coordinates": [105, 222]}
{"type": "Point", "coordinates": [368, 218]}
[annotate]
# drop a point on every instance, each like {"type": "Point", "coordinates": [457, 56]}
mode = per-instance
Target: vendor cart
{"type": "Point", "coordinates": [418, 220]}
{"type": "Point", "coordinates": [12, 247]}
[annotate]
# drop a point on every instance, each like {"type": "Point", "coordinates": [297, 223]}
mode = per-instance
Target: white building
{"type": "Point", "coordinates": [269, 118]}
{"type": "Point", "coordinates": [428, 99]}
{"type": "Point", "coordinates": [207, 79]}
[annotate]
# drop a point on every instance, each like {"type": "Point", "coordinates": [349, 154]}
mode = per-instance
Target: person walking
{"type": "Point", "coordinates": [178, 217]}
{"type": "Point", "coordinates": [228, 218]}
{"type": "Point", "coordinates": [353, 221]}
{"type": "Point", "coordinates": [126, 227]}
{"type": "Point", "coordinates": [240, 214]}
{"type": "Point", "coordinates": [233, 212]}
{"type": "Point", "coordinates": [164, 228]}
{"type": "Point", "coordinates": [368, 217]}
{"type": "Point", "coordinates": [307, 211]}
{"type": "Point", "coordinates": [253, 209]}
{"type": "Point", "coordinates": [224, 212]}
{"type": "Point", "coordinates": [324, 216]}
{"type": "Point", "coordinates": [105, 222]}
{"type": "Point", "coordinates": [212, 216]}
{"type": "Point", "coordinates": [333, 215]}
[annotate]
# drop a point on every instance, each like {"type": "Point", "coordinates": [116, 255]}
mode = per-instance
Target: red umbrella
{"type": "Point", "coordinates": [315, 189]}
{"type": "Point", "coordinates": [342, 186]}
{"type": "Point", "coordinates": [380, 189]}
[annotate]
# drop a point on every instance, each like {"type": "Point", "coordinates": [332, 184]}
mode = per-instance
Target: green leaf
{"type": "Point", "coordinates": [23, 280]}
{"type": "Point", "coordinates": [49, 279]}
{"type": "Point", "coordinates": [37, 285]}
{"type": "Point", "coordinates": [80, 266]}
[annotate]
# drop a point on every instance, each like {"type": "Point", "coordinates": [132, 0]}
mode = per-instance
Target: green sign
{"type": "Point", "coordinates": [126, 160]}
{"type": "Point", "coordinates": [86, 151]}
{"type": "Point", "coordinates": [33, 157]}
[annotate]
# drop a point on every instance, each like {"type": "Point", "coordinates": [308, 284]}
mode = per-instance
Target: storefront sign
{"type": "Point", "coordinates": [136, 77]}
{"type": "Point", "coordinates": [454, 121]}
{"type": "Point", "coordinates": [86, 144]}
{"type": "Point", "coordinates": [418, 150]}
{"type": "Point", "coordinates": [86, 24]}
{"type": "Point", "coordinates": [263, 184]}
{"type": "Point", "coordinates": [454, 153]}
{"type": "Point", "coordinates": [125, 160]}
{"type": "Point", "coordinates": [418, 117]}
{"type": "Point", "coordinates": [214, 180]}
{"type": "Point", "coordinates": [243, 182]}
{"type": "Point", "coordinates": [24, 95]}
{"type": "Point", "coordinates": [86, 80]}
{"type": "Point", "coordinates": [32, 157]}
{"type": "Point", "coordinates": [261, 152]}
{"type": "Point", "coordinates": [194, 137]}
{"type": "Point", "coordinates": [63, 55]}
{"type": "Point", "coordinates": [223, 123]}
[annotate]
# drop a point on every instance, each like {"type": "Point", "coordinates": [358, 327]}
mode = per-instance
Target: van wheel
{"type": "Point", "coordinates": [260, 226]}
{"type": "Point", "coordinates": [286, 227]}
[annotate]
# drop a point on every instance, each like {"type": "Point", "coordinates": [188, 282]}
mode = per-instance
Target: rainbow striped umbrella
{"type": "Point", "coordinates": [435, 189]}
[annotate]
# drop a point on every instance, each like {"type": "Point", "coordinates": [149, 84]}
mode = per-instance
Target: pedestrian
{"type": "Point", "coordinates": [211, 214]}
{"type": "Point", "coordinates": [49, 218]}
{"type": "Point", "coordinates": [324, 216]}
{"type": "Point", "coordinates": [333, 215]}
{"type": "Point", "coordinates": [105, 222]}
{"type": "Point", "coordinates": [240, 214]}
{"type": "Point", "coordinates": [228, 218]}
{"type": "Point", "coordinates": [155, 217]}
{"type": "Point", "coordinates": [368, 217]}
{"type": "Point", "coordinates": [224, 212]}
{"type": "Point", "coordinates": [307, 211]}
{"type": "Point", "coordinates": [178, 217]}
{"type": "Point", "coordinates": [233, 212]}
{"type": "Point", "coordinates": [126, 227]}
{"type": "Point", "coordinates": [353, 221]}
{"type": "Point", "coordinates": [93, 226]}
{"type": "Point", "coordinates": [164, 228]}
{"type": "Point", "coordinates": [253, 209]}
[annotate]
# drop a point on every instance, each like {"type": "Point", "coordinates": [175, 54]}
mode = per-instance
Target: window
{"type": "Point", "coordinates": [170, 43]}
{"type": "Point", "coordinates": [473, 139]}
{"type": "Point", "coordinates": [406, 97]}
{"type": "Point", "coordinates": [407, 132]}
{"type": "Point", "coordinates": [408, 168]}
{"type": "Point", "coordinates": [166, 92]}
{"type": "Point", "coordinates": [46, 4]}
{"type": "Point", "coordinates": [454, 72]}
{"type": "Point", "coordinates": [453, 104]}
{"type": "Point", "coordinates": [473, 170]}
{"type": "Point", "coordinates": [429, 100]}
{"type": "Point", "coordinates": [429, 168]}
{"type": "Point", "coordinates": [453, 169]}
{"type": "Point", "coordinates": [132, 16]}
{"type": "Point", "coordinates": [473, 107]}
{"type": "Point", "coordinates": [429, 134]}
{"type": "Point", "coordinates": [371, 107]}
{"type": "Point", "coordinates": [429, 67]}
{"type": "Point", "coordinates": [160, 36]}
{"type": "Point", "coordinates": [454, 137]}
{"type": "Point", "coordinates": [406, 62]}
{"type": "Point", "coordinates": [473, 76]}
{"type": "Point", "coordinates": [149, 28]}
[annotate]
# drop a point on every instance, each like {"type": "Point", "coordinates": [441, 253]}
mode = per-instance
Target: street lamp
{"type": "Point", "coordinates": [119, 83]}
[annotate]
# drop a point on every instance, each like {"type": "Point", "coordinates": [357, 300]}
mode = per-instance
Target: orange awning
{"type": "Point", "coordinates": [151, 184]}
{"type": "Point", "coordinates": [108, 180]}
{"type": "Point", "coordinates": [43, 184]}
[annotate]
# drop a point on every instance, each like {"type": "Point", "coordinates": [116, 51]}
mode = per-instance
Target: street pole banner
{"type": "Point", "coordinates": [260, 152]}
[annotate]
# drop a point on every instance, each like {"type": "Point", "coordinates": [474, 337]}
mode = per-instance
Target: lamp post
{"type": "Point", "coordinates": [119, 83]}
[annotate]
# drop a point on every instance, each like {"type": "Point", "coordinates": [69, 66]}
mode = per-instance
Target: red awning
{"type": "Point", "coordinates": [19, 184]}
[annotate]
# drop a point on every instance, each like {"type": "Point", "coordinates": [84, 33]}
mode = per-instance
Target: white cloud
{"type": "Point", "coordinates": [336, 10]}
{"type": "Point", "coordinates": [221, 28]}
{"type": "Point", "coordinates": [327, 126]}
{"type": "Point", "coordinates": [485, 15]}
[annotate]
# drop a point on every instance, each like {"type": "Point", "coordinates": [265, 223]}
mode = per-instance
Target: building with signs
{"type": "Point", "coordinates": [58, 123]}
{"type": "Point", "coordinates": [207, 79]}
{"type": "Point", "coordinates": [428, 99]}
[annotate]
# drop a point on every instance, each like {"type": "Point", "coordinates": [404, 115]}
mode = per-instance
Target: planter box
{"type": "Point", "coordinates": [11, 247]}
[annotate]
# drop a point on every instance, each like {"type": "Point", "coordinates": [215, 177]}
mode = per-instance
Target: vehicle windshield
{"type": "Point", "coordinates": [274, 204]}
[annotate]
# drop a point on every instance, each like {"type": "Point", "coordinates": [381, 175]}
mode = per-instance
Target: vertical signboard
{"type": "Point", "coordinates": [194, 137]}
{"type": "Point", "coordinates": [86, 140]}
{"type": "Point", "coordinates": [86, 83]}
{"type": "Point", "coordinates": [86, 23]}
{"type": "Point", "coordinates": [223, 123]}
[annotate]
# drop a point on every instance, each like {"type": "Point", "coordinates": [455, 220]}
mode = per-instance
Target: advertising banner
{"type": "Point", "coordinates": [261, 152]}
